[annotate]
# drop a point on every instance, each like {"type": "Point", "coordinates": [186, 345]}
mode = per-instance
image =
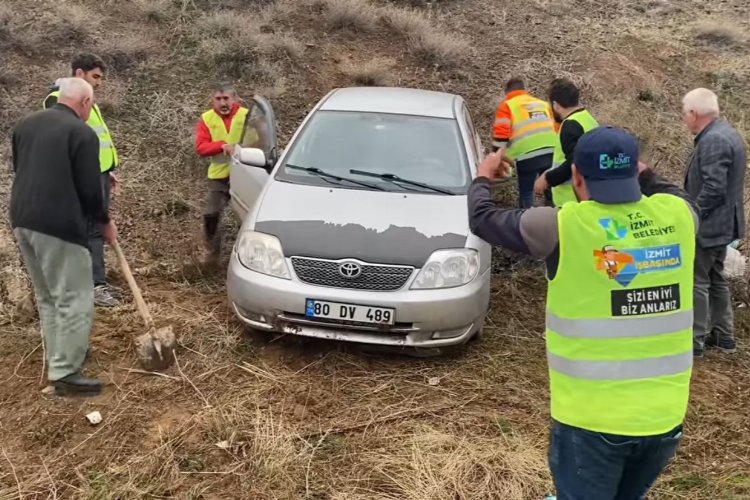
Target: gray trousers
{"type": "Point", "coordinates": [712, 302]}
{"type": "Point", "coordinates": [61, 274]}
{"type": "Point", "coordinates": [217, 197]}
{"type": "Point", "coordinates": [96, 240]}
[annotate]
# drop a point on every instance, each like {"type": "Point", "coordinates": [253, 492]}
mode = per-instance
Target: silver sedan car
{"type": "Point", "coordinates": [358, 230]}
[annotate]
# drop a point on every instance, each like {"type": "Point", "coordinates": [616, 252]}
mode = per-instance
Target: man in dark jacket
{"type": "Point", "coordinates": [56, 192]}
{"type": "Point", "coordinates": [715, 180]}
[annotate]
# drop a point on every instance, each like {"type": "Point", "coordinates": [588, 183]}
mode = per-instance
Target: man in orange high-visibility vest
{"type": "Point", "coordinates": [525, 127]}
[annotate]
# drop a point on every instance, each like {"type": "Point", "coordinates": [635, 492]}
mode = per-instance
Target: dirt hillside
{"type": "Point", "coordinates": [252, 416]}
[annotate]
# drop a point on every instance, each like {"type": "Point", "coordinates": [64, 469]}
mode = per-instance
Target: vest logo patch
{"type": "Point", "coordinates": [624, 265]}
{"type": "Point", "coordinates": [652, 300]}
{"type": "Point", "coordinates": [615, 229]}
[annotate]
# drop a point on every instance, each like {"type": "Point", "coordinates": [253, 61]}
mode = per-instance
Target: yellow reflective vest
{"type": "Point", "coordinates": [620, 316]}
{"type": "Point", "coordinates": [220, 164]}
{"type": "Point", "coordinates": [533, 128]}
{"type": "Point", "coordinates": [564, 192]}
{"type": "Point", "coordinates": [108, 158]}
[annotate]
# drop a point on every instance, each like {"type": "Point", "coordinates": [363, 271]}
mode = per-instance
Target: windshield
{"type": "Point", "coordinates": [420, 149]}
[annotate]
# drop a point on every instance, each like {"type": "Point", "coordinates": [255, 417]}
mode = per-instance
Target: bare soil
{"type": "Point", "coordinates": [255, 416]}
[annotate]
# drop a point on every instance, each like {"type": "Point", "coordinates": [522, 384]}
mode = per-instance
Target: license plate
{"type": "Point", "coordinates": [349, 312]}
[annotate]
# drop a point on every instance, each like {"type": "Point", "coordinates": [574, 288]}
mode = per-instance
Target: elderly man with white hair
{"type": "Point", "coordinates": [714, 179]}
{"type": "Point", "coordinates": [56, 191]}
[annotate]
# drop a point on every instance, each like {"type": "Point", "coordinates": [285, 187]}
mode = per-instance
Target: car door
{"type": "Point", "coordinates": [247, 181]}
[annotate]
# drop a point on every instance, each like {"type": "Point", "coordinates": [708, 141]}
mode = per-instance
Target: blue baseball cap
{"type": "Point", "coordinates": [607, 157]}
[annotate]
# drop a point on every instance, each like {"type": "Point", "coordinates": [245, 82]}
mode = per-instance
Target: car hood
{"type": "Point", "coordinates": [372, 226]}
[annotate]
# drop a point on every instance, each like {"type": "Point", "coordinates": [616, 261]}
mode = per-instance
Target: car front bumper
{"type": "Point", "coordinates": [424, 318]}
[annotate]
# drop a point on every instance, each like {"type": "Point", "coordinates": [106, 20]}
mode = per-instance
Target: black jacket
{"type": "Point", "coordinates": [57, 187]}
{"type": "Point", "coordinates": [570, 132]}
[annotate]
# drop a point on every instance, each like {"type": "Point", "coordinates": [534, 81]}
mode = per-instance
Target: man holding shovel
{"type": "Point", "coordinates": [56, 191]}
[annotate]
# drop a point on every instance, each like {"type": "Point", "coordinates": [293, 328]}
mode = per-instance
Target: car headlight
{"type": "Point", "coordinates": [262, 253]}
{"type": "Point", "coordinates": [448, 268]}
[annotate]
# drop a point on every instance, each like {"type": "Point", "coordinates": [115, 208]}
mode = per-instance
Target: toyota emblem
{"type": "Point", "coordinates": [350, 270]}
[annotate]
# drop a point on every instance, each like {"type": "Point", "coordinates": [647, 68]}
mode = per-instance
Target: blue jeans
{"type": "Point", "coordinates": [588, 465]}
{"type": "Point", "coordinates": [528, 171]}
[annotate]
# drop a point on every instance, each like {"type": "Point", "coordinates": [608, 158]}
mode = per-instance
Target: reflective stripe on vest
{"type": "Point", "coordinates": [607, 328]}
{"type": "Point", "coordinates": [564, 192]}
{"type": "Point", "coordinates": [108, 158]}
{"type": "Point", "coordinates": [533, 132]}
{"type": "Point", "coordinates": [220, 164]}
{"type": "Point", "coordinates": [622, 370]}
{"type": "Point", "coordinates": [620, 316]}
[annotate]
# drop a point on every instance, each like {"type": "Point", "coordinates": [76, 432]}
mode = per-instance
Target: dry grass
{"type": "Point", "coordinates": [406, 22]}
{"type": "Point", "coordinates": [429, 45]}
{"type": "Point", "coordinates": [432, 463]}
{"type": "Point", "coordinates": [124, 54]}
{"type": "Point", "coordinates": [719, 34]}
{"type": "Point", "coordinates": [9, 38]}
{"type": "Point", "coordinates": [66, 25]}
{"type": "Point", "coordinates": [352, 15]}
{"type": "Point", "coordinates": [440, 50]}
{"type": "Point", "coordinates": [377, 72]}
{"type": "Point", "coordinates": [156, 11]}
{"type": "Point", "coordinates": [238, 47]}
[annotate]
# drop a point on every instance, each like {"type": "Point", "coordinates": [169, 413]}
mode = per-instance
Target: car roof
{"type": "Point", "coordinates": [393, 100]}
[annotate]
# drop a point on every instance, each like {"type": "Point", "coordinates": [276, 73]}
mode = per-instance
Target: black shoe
{"type": "Point", "coordinates": [723, 344]}
{"type": "Point", "coordinates": [75, 384]}
{"type": "Point", "coordinates": [698, 352]}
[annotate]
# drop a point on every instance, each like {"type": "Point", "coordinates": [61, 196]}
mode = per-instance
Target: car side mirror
{"type": "Point", "coordinates": [253, 156]}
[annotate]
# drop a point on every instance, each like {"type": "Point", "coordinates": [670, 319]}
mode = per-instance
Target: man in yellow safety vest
{"type": "Point", "coordinates": [220, 129]}
{"type": "Point", "coordinates": [92, 69]}
{"type": "Point", "coordinates": [575, 120]}
{"type": "Point", "coordinates": [525, 128]}
{"type": "Point", "coordinates": [619, 312]}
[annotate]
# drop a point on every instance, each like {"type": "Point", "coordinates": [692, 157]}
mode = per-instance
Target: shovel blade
{"type": "Point", "coordinates": [156, 351]}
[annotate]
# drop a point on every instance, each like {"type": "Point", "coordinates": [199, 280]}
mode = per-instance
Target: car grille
{"type": "Point", "coordinates": [373, 276]}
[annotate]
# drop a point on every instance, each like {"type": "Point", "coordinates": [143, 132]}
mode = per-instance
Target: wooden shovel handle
{"type": "Point", "coordinates": [142, 308]}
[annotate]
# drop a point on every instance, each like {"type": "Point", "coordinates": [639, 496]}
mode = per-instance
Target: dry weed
{"type": "Point", "coordinates": [430, 46]}
{"type": "Point", "coordinates": [719, 34]}
{"type": "Point", "coordinates": [663, 7]}
{"type": "Point", "coordinates": [431, 463]}
{"type": "Point", "coordinates": [406, 22]}
{"type": "Point", "coordinates": [239, 47]}
{"type": "Point", "coordinates": [353, 15]}
{"type": "Point", "coordinates": [67, 24]}
{"type": "Point", "coordinates": [438, 49]}
{"type": "Point", "coordinates": [124, 53]}
{"type": "Point", "coordinates": [267, 454]}
{"type": "Point", "coordinates": [277, 47]}
{"type": "Point", "coordinates": [156, 11]}
{"type": "Point", "coordinates": [10, 38]}
{"type": "Point", "coordinates": [376, 72]}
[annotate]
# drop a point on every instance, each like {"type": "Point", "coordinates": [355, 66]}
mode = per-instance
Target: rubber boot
{"type": "Point", "coordinates": [211, 239]}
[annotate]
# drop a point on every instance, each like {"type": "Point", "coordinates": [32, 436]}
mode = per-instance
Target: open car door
{"type": "Point", "coordinates": [246, 179]}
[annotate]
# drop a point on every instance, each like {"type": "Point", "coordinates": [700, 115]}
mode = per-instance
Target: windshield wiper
{"type": "Point", "coordinates": [325, 175]}
{"type": "Point", "coordinates": [396, 179]}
